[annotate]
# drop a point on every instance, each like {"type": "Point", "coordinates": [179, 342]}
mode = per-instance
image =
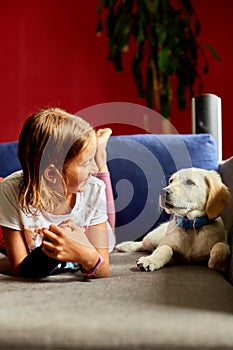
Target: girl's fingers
{"type": "Point", "coordinates": [48, 252]}
{"type": "Point", "coordinates": [56, 230]}
{"type": "Point", "coordinates": [52, 250]}
{"type": "Point", "coordinates": [52, 233]}
{"type": "Point", "coordinates": [48, 245]}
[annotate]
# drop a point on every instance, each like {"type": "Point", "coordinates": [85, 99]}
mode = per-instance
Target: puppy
{"type": "Point", "coordinates": [196, 233]}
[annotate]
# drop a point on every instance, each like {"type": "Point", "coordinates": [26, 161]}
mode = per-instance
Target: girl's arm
{"type": "Point", "coordinates": [34, 264]}
{"type": "Point", "coordinates": [69, 243]}
{"type": "Point", "coordinates": [16, 248]}
{"type": "Point", "coordinates": [60, 247]}
{"type": "Point", "coordinates": [98, 237]}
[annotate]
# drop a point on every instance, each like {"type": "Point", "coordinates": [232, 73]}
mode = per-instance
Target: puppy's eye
{"type": "Point", "coordinates": [190, 182]}
{"type": "Point", "coordinates": [170, 181]}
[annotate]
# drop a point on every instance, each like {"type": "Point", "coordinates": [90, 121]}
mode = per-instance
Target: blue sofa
{"type": "Point", "coordinates": [140, 165]}
{"type": "Point", "coordinates": [177, 307]}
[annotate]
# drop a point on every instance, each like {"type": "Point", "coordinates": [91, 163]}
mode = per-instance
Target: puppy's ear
{"type": "Point", "coordinates": [218, 196]}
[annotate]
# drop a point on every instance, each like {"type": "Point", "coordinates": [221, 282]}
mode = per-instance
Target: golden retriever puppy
{"type": "Point", "coordinates": [196, 233]}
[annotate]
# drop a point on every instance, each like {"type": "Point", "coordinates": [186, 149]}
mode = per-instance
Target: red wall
{"type": "Point", "coordinates": [50, 56]}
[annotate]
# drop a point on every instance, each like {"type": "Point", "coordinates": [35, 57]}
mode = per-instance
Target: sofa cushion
{"type": "Point", "coordinates": [9, 161]}
{"type": "Point", "coordinates": [141, 165]}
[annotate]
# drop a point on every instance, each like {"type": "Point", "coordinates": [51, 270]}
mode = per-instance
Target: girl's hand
{"type": "Point", "coordinates": [68, 242]}
{"type": "Point", "coordinates": [102, 136]}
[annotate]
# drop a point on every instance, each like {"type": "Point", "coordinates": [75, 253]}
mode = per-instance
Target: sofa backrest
{"type": "Point", "coordinates": [140, 165]}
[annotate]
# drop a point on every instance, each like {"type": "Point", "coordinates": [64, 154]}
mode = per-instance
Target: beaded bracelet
{"type": "Point", "coordinates": [91, 273]}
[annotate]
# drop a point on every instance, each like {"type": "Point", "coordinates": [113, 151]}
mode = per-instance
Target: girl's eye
{"type": "Point", "coordinates": [87, 163]}
{"type": "Point", "coordinates": [190, 182]}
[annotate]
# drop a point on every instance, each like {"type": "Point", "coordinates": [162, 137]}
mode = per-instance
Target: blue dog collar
{"type": "Point", "coordinates": [196, 223]}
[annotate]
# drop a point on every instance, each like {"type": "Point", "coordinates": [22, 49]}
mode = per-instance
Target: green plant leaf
{"type": "Point", "coordinates": [136, 70]}
{"type": "Point", "coordinates": [197, 27]}
{"type": "Point", "coordinates": [99, 27]}
{"type": "Point", "coordinates": [213, 52]}
{"type": "Point", "coordinates": [164, 61]}
{"type": "Point", "coordinates": [188, 6]}
{"type": "Point", "coordinates": [99, 6]}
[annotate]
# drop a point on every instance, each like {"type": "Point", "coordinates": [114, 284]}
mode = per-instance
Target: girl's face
{"type": "Point", "coordinates": [81, 167]}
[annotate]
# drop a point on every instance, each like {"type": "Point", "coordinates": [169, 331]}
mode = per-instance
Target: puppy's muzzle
{"type": "Point", "coordinates": [166, 198]}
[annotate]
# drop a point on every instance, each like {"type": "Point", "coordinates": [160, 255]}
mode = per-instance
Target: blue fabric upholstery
{"type": "Point", "coordinates": [141, 165]}
{"type": "Point", "coordinates": [9, 161]}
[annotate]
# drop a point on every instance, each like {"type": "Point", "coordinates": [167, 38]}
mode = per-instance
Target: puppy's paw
{"type": "Point", "coordinates": [220, 266]}
{"type": "Point", "coordinates": [146, 263]}
{"type": "Point", "coordinates": [128, 247]}
{"type": "Point", "coordinates": [219, 255]}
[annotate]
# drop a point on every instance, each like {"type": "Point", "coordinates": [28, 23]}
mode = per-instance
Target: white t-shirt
{"type": "Point", "coordinates": [89, 209]}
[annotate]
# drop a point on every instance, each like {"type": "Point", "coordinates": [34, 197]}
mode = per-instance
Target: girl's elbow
{"type": "Point", "coordinates": [103, 273]}
{"type": "Point", "coordinates": [106, 274]}
{"type": "Point", "coordinates": [15, 270]}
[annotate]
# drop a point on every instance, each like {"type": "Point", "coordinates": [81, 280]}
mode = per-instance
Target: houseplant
{"type": "Point", "coordinates": [168, 59]}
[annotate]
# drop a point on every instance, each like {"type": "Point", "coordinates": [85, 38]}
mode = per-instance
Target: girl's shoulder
{"type": "Point", "coordinates": [13, 177]}
{"type": "Point", "coordinates": [11, 181]}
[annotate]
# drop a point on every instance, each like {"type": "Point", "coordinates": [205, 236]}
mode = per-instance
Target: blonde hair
{"type": "Point", "coordinates": [50, 136]}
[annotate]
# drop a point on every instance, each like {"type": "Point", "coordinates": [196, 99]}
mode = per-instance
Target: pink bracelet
{"type": "Point", "coordinates": [93, 271]}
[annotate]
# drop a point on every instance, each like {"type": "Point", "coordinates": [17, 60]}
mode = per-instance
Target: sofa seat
{"type": "Point", "coordinates": [177, 307]}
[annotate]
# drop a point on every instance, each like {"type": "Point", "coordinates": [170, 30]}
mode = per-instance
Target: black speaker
{"type": "Point", "coordinates": [207, 118]}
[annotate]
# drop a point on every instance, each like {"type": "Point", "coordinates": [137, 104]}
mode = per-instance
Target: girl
{"type": "Point", "coordinates": [54, 210]}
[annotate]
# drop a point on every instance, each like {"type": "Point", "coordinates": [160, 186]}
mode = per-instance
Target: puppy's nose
{"type": "Point", "coordinates": [165, 193]}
